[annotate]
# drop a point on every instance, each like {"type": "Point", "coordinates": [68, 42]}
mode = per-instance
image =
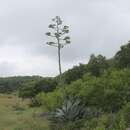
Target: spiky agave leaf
{"type": "Point", "coordinates": [70, 111]}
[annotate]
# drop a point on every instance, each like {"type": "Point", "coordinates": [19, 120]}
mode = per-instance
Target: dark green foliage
{"type": "Point", "coordinates": [28, 90]}
{"type": "Point", "coordinates": [12, 84]}
{"type": "Point", "coordinates": [31, 89]}
{"type": "Point", "coordinates": [46, 85]}
{"type": "Point", "coordinates": [74, 74]}
{"type": "Point", "coordinates": [97, 65]}
{"type": "Point", "coordinates": [122, 57]}
{"type": "Point", "coordinates": [108, 92]}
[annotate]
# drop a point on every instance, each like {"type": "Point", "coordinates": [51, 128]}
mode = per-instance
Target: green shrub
{"type": "Point", "coordinates": [45, 85]}
{"type": "Point", "coordinates": [126, 114]}
{"type": "Point", "coordinates": [110, 92]}
{"type": "Point", "coordinates": [50, 101]}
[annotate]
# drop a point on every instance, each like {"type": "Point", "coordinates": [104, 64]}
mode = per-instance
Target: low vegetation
{"type": "Point", "coordinates": [16, 115]}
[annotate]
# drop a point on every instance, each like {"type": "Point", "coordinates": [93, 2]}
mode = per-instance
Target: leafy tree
{"type": "Point", "coordinates": [74, 74]}
{"type": "Point", "coordinates": [31, 89]}
{"type": "Point", "coordinates": [46, 85]}
{"type": "Point", "coordinates": [122, 57]}
{"type": "Point", "coordinates": [97, 65]}
{"type": "Point", "coordinates": [28, 91]}
{"type": "Point", "coordinates": [59, 33]}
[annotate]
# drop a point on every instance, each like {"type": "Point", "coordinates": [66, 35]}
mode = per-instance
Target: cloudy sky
{"type": "Point", "coordinates": [96, 26]}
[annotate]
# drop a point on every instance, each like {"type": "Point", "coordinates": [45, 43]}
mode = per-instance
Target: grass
{"type": "Point", "coordinates": [16, 115]}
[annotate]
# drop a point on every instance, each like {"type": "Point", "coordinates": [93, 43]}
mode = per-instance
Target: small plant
{"type": "Point", "coordinates": [69, 116]}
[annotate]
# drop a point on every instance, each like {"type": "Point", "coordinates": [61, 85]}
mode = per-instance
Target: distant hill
{"type": "Point", "coordinates": [11, 84]}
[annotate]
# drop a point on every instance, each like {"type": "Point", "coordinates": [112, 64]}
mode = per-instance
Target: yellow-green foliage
{"type": "Point", "coordinates": [50, 101]}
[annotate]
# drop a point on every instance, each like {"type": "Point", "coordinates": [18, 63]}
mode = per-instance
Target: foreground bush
{"type": "Point", "coordinates": [50, 101]}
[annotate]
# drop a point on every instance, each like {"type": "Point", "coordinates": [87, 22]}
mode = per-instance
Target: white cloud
{"type": "Point", "coordinates": [96, 27]}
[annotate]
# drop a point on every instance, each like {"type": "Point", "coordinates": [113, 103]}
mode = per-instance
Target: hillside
{"type": "Point", "coordinates": [92, 96]}
{"type": "Point", "coordinates": [11, 84]}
